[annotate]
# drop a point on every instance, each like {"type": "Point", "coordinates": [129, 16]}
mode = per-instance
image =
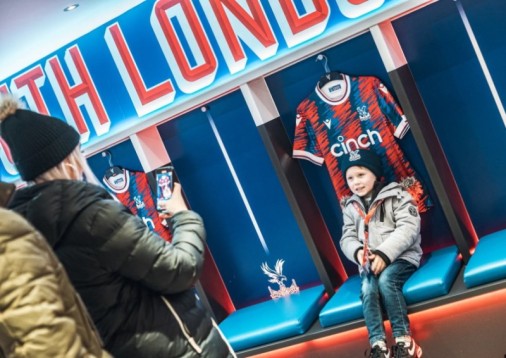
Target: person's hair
{"type": "Point", "coordinates": [71, 168]}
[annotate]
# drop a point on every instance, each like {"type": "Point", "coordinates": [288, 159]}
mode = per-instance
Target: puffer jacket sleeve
{"type": "Point", "coordinates": [129, 248]}
{"type": "Point", "coordinates": [32, 320]}
{"type": "Point", "coordinates": [349, 242]}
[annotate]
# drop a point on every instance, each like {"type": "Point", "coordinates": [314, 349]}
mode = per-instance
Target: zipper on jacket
{"type": "Point", "coordinates": [184, 329]}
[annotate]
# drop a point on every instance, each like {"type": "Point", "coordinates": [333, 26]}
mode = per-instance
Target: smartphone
{"type": "Point", "coordinates": [6, 192]}
{"type": "Point", "coordinates": [164, 184]}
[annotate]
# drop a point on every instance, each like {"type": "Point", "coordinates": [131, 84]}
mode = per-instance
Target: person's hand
{"type": "Point", "coordinates": [174, 205]}
{"type": "Point", "coordinates": [377, 264]}
{"type": "Point", "coordinates": [360, 256]}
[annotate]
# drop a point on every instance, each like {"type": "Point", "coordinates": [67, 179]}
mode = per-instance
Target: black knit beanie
{"type": "Point", "coordinates": [362, 158]}
{"type": "Point", "coordinates": [37, 142]}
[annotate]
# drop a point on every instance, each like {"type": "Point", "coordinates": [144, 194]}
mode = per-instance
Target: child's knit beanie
{"type": "Point", "coordinates": [362, 158]}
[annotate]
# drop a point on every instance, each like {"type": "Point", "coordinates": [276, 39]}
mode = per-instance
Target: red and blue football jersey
{"type": "Point", "coordinates": [132, 190]}
{"type": "Point", "coordinates": [350, 114]}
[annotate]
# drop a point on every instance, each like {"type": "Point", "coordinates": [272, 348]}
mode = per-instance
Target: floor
{"type": "Point", "coordinates": [474, 327]}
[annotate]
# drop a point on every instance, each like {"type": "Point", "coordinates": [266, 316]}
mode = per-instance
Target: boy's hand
{"type": "Point", "coordinates": [174, 205]}
{"type": "Point", "coordinates": [365, 265]}
{"type": "Point", "coordinates": [377, 264]}
{"type": "Point", "coordinates": [360, 256]}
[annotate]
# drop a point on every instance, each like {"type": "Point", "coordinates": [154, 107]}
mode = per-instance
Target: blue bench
{"type": "Point", "coordinates": [345, 305]}
{"type": "Point", "coordinates": [434, 278]}
{"type": "Point", "coordinates": [273, 320]}
{"type": "Point", "coordinates": [488, 263]}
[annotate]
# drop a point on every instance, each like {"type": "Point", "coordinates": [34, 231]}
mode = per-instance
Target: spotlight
{"type": "Point", "coordinates": [71, 7]}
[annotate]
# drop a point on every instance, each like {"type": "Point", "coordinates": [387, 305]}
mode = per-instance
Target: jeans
{"type": "Point", "coordinates": [385, 291]}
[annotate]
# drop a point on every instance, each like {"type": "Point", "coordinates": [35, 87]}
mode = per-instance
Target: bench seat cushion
{"type": "Point", "coordinates": [435, 277]}
{"type": "Point", "coordinates": [345, 305]}
{"type": "Point", "coordinates": [488, 263]}
{"type": "Point", "coordinates": [273, 320]}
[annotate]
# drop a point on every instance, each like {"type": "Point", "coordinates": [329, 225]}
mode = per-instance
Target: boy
{"type": "Point", "coordinates": [381, 233]}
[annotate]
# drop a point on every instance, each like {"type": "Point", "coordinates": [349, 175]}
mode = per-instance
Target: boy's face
{"type": "Point", "coordinates": [360, 180]}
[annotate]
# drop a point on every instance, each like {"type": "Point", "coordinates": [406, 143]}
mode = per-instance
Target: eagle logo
{"type": "Point", "coordinates": [363, 113]}
{"type": "Point", "coordinates": [276, 276]}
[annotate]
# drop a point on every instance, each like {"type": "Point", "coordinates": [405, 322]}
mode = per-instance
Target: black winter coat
{"type": "Point", "coordinates": [121, 270]}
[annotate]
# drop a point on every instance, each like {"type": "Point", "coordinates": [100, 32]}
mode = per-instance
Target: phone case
{"type": "Point", "coordinates": [164, 185]}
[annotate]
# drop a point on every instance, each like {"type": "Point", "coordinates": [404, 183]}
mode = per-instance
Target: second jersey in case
{"type": "Point", "coordinates": [132, 190]}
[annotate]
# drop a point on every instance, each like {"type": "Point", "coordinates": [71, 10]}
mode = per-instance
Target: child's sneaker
{"type": "Point", "coordinates": [407, 350]}
{"type": "Point", "coordinates": [379, 352]}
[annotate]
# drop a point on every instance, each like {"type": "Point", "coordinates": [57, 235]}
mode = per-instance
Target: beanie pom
{"type": "Point", "coordinates": [9, 105]}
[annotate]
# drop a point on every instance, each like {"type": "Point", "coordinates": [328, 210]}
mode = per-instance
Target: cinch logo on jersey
{"type": "Point", "coordinates": [346, 146]}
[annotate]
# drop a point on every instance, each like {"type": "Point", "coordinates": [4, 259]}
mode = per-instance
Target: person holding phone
{"type": "Point", "coordinates": [42, 315]}
{"type": "Point", "coordinates": [137, 287]}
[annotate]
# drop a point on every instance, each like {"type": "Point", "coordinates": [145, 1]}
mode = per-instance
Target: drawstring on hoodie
{"type": "Point", "coordinates": [184, 329]}
{"type": "Point", "coordinates": [367, 217]}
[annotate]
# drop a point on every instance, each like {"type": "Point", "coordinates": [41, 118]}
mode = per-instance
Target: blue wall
{"type": "Point", "coordinates": [209, 185]}
{"type": "Point", "coordinates": [459, 101]}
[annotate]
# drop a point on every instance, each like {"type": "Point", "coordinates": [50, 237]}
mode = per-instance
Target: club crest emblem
{"type": "Point", "coordinates": [276, 276]}
{"type": "Point", "coordinates": [139, 204]}
{"type": "Point", "coordinates": [363, 113]}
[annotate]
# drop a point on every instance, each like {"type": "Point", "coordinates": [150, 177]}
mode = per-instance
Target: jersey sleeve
{"type": "Point", "coordinates": [305, 144]}
{"type": "Point", "coordinates": [392, 110]}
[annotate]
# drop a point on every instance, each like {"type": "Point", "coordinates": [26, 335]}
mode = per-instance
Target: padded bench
{"type": "Point", "coordinates": [488, 263]}
{"type": "Point", "coordinates": [345, 305]}
{"type": "Point", "coordinates": [434, 278]}
{"type": "Point", "coordinates": [273, 320]}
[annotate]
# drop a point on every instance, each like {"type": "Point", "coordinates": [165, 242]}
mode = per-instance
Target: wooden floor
{"type": "Point", "coordinates": [465, 323]}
